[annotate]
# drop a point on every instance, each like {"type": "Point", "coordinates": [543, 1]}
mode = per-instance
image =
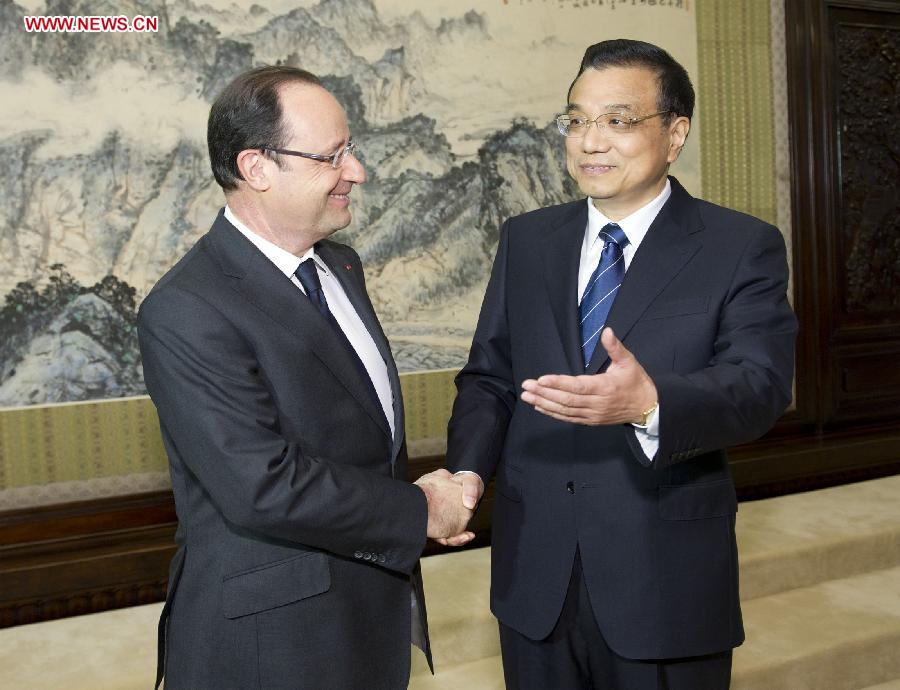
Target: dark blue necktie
{"type": "Point", "coordinates": [601, 288]}
{"type": "Point", "coordinates": [309, 278]}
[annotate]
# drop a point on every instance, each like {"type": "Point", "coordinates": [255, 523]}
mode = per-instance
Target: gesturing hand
{"type": "Point", "coordinates": [619, 396]}
{"type": "Point", "coordinates": [448, 511]}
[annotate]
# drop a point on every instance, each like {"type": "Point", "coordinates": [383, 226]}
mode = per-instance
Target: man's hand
{"type": "Point", "coordinates": [472, 490]}
{"type": "Point", "coordinates": [621, 395]}
{"type": "Point", "coordinates": [448, 507]}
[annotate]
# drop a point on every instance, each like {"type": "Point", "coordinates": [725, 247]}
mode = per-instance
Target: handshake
{"type": "Point", "coordinates": [451, 501]}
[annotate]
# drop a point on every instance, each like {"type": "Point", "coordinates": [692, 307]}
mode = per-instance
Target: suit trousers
{"type": "Point", "coordinates": [575, 656]}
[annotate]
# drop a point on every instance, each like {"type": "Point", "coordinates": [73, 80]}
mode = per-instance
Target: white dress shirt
{"type": "Point", "coordinates": [635, 228]}
{"type": "Point", "coordinates": [340, 307]}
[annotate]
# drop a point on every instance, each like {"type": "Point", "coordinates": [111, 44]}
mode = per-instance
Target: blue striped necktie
{"type": "Point", "coordinates": [601, 289]}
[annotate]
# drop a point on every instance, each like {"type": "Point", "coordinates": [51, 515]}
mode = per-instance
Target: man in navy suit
{"type": "Point", "coordinates": [299, 535]}
{"type": "Point", "coordinates": [623, 343]}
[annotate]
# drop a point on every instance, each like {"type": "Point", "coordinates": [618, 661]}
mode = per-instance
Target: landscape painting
{"type": "Point", "coordinates": [107, 183]}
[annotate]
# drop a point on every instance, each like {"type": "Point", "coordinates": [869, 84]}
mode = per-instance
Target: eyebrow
{"type": "Point", "coordinates": [610, 107]}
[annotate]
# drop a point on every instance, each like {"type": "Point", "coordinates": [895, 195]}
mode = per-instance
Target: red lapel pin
{"type": "Point", "coordinates": [348, 267]}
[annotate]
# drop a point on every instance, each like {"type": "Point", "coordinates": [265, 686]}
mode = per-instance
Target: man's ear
{"type": "Point", "coordinates": [255, 168]}
{"type": "Point", "coordinates": [678, 132]}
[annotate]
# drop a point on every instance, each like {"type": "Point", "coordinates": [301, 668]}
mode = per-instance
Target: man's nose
{"type": "Point", "coordinates": [596, 138]}
{"type": "Point", "coordinates": [352, 170]}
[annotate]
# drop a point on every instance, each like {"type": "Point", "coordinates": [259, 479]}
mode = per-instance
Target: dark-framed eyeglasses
{"type": "Point", "coordinates": [336, 159]}
{"type": "Point", "coordinates": [617, 123]}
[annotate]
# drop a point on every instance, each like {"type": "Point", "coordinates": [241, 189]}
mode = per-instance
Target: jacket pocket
{"type": "Point", "coordinates": [697, 501]}
{"type": "Point", "coordinates": [677, 307]}
{"type": "Point", "coordinates": [275, 584]}
{"type": "Point", "coordinates": [508, 482]}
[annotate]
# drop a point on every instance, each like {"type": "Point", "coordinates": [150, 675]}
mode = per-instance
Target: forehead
{"type": "Point", "coordinates": [628, 88]}
{"type": "Point", "coordinates": [312, 115]}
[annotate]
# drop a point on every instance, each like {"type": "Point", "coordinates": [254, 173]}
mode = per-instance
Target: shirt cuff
{"type": "Point", "coordinates": [470, 472]}
{"type": "Point", "coordinates": [648, 436]}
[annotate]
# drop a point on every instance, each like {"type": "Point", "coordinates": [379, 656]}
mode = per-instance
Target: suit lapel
{"type": "Point", "coordinates": [668, 245]}
{"type": "Point", "coordinates": [352, 280]}
{"type": "Point", "coordinates": [258, 281]}
{"type": "Point", "coordinates": [561, 254]}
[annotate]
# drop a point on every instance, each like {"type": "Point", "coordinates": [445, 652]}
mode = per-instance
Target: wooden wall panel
{"type": "Point", "coordinates": [843, 79]}
{"type": "Point", "coordinates": [843, 64]}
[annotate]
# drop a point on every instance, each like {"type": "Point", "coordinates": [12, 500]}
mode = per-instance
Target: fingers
{"type": "Point", "coordinates": [578, 385]}
{"type": "Point", "coordinates": [450, 512]}
{"type": "Point", "coordinates": [617, 352]}
{"type": "Point", "coordinates": [447, 516]}
{"type": "Point", "coordinates": [587, 399]}
{"type": "Point", "coordinates": [570, 407]}
{"type": "Point", "coordinates": [619, 395]}
{"type": "Point", "coordinates": [441, 473]}
{"type": "Point", "coordinates": [451, 501]}
{"type": "Point", "coordinates": [564, 395]}
{"type": "Point", "coordinates": [584, 418]}
{"type": "Point", "coordinates": [472, 488]}
{"type": "Point", "coordinates": [432, 480]}
{"type": "Point", "coordinates": [458, 540]}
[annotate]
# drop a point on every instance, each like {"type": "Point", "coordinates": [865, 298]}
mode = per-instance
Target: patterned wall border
{"type": "Point", "coordinates": [743, 106]}
{"type": "Point", "coordinates": [735, 104]}
{"type": "Point", "coordinates": [781, 129]}
{"type": "Point", "coordinates": [79, 451]}
{"type": "Point", "coordinates": [59, 453]}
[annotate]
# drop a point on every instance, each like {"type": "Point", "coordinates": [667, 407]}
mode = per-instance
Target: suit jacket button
{"type": "Point", "coordinates": [381, 558]}
{"type": "Point", "coordinates": [357, 554]}
{"type": "Point", "coordinates": [570, 487]}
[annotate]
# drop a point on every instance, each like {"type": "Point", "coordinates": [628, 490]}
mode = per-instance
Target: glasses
{"type": "Point", "coordinates": [577, 125]}
{"type": "Point", "coordinates": [336, 159]}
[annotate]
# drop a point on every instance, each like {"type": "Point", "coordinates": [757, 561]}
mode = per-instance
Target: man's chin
{"type": "Point", "coordinates": [597, 188]}
{"type": "Point", "coordinates": [339, 221]}
{"type": "Point", "coordinates": [597, 191]}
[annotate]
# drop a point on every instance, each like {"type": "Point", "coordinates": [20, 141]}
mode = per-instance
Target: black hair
{"type": "Point", "coordinates": [247, 115]}
{"type": "Point", "coordinates": [676, 93]}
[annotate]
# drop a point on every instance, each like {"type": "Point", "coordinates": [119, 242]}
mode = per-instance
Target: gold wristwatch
{"type": "Point", "coordinates": [645, 416]}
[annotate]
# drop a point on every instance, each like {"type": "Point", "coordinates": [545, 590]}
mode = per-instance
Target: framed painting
{"type": "Point", "coordinates": [452, 106]}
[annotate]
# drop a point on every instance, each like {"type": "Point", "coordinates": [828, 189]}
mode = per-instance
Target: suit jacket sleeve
{"type": "Point", "coordinates": [218, 412]}
{"type": "Point", "coordinates": [486, 392]}
{"type": "Point", "coordinates": [747, 384]}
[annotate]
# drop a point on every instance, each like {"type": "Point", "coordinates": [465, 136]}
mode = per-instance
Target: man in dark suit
{"type": "Point", "coordinates": [623, 343]}
{"type": "Point", "coordinates": [280, 408]}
